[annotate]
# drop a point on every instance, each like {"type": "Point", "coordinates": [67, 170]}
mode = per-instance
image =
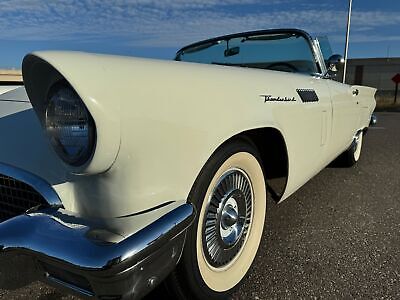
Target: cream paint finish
{"type": "Point", "coordinates": [8, 108]}
{"type": "Point", "coordinates": [13, 93]}
{"type": "Point", "coordinates": [7, 88]}
{"type": "Point", "coordinates": [366, 99]}
{"type": "Point", "coordinates": [158, 122]}
{"type": "Point", "coordinates": [350, 111]}
{"type": "Point", "coordinates": [24, 145]}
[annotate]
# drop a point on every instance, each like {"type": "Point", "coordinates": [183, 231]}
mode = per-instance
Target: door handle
{"type": "Point", "coordinates": [355, 92]}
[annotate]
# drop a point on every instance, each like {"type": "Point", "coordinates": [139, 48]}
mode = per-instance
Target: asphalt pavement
{"type": "Point", "coordinates": [337, 237]}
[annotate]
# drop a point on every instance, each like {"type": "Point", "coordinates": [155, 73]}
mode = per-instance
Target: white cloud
{"type": "Point", "coordinates": [367, 38]}
{"type": "Point", "coordinates": [168, 23]}
{"type": "Point", "coordinates": [373, 19]}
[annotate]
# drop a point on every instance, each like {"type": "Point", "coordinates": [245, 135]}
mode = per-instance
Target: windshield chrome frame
{"type": "Point", "coordinates": [316, 51]}
{"type": "Point", "coordinates": [320, 57]}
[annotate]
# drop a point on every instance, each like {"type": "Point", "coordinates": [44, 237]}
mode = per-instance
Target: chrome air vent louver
{"type": "Point", "coordinates": [16, 197]}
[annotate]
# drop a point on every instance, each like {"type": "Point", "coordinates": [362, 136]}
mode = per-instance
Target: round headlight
{"type": "Point", "coordinates": [69, 125]}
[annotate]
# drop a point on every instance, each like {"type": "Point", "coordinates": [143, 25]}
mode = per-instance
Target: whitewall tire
{"type": "Point", "coordinates": [352, 155]}
{"type": "Point", "coordinates": [358, 144]}
{"type": "Point", "coordinates": [230, 197]}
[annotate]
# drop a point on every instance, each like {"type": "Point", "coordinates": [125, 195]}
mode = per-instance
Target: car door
{"type": "Point", "coordinates": [308, 128]}
{"type": "Point", "coordinates": [345, 103]}
{"type": "Point", "coordinates": [346, 114]}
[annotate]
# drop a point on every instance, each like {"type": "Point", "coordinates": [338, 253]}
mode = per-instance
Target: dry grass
{"type": "Point", "coordinates": [385, 101]}
{"type": "Point", "coordinates": [10, 75]}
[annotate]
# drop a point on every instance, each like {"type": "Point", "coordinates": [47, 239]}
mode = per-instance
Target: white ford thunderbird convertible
{"type": "Point", "coordinates": [119, 173]}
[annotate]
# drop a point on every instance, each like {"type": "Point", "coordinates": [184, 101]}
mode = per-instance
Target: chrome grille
{"type": "Point", "coordinates": [16, 197]}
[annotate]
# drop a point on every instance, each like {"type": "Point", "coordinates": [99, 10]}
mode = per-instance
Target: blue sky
{"type": "Point", "coordinates": [157, 28]}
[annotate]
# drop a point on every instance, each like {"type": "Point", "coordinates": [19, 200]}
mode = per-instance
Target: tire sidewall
{"type": "Point", "coordinates": [189, 261]}
{"type": "Point", "coordinates": [357, 148]}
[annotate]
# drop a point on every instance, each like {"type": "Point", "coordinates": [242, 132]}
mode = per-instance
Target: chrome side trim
{"type": "Point", "coordinates": [40, 185]}
{"type": "Point", "coordinates": [69, 286]}
{"type": "Point", "coordinates": [146, 210]}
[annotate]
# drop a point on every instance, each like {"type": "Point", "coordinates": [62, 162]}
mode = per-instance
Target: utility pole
{"type": "Point", "coordinates": [346, 48]}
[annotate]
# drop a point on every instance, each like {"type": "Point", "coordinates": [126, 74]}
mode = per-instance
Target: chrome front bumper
{"type": "Point", "coordinates": [72, 253]}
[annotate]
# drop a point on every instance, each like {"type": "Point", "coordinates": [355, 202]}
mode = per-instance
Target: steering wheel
{"type": "Point", "coordinates": [282, 66]}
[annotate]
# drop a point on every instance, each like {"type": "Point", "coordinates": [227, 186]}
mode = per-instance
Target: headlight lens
{"type": "Point", "coordinates": [69, 125]}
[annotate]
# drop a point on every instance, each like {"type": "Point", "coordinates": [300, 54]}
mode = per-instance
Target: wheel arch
{"type": "Point", "coordinates": [271, 146]}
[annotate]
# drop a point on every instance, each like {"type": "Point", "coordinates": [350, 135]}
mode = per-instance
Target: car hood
{"type": "Point", "coordinates": [23, 142]}
{"type": "Point", "coordinates": [13, 94]}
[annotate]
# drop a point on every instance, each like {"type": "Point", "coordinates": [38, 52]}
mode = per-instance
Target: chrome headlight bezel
{"type": "Point", "coordinates": [69, 125]}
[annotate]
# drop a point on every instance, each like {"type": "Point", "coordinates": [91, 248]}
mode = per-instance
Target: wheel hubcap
{"type": "Point", "coordinates": [228, 218]}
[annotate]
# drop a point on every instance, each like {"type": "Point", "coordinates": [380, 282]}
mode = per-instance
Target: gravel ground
{"type": "Point", "coordinates": [337, 237]}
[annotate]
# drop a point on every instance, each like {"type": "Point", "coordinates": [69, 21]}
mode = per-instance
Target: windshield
{"type": "Point", "coordinates": [325, 47]}
{"type": "Point", "coordinates": [288, 52]}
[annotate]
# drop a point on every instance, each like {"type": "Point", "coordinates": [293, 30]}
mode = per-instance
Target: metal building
{"type": "Point", "coordinates": [375, 72]}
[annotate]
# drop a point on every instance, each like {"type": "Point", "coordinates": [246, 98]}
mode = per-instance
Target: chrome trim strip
{"type": "Point", "coordinates": [146, 210]}
{"type": "Point", "coordinates": [10, 100]}
{"type": "Point", "coordinates": [319, 56]}
{"type": "Point", "coordinates": [69, 286]}
{"type": "Point", "coordinates": [40, 185]}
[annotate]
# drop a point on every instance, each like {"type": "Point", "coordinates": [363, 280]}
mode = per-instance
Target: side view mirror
{"type": "Point", "coordinates": [334, 64]}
